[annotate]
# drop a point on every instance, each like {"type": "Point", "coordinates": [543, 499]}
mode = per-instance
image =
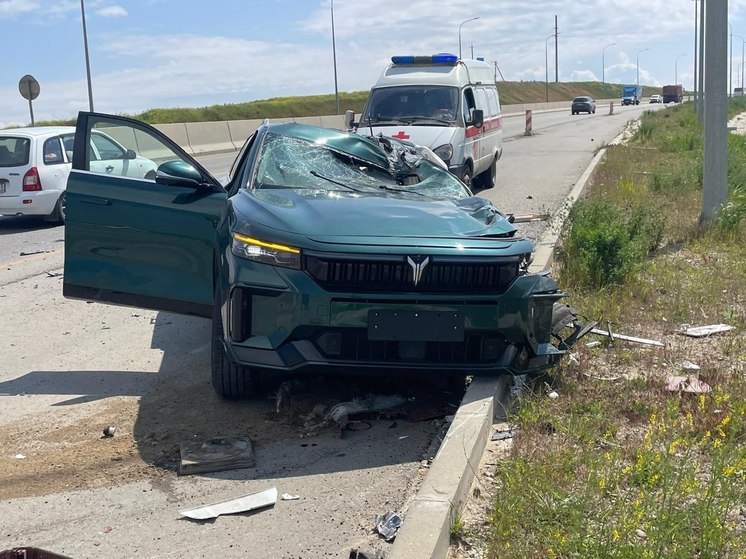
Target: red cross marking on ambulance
{"type": "Point", "coordinates": [401, 135]}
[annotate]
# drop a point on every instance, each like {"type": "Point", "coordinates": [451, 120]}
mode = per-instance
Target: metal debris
{"type": "Point", "coordinates": [689, 366]}
{"type": "Point", "coordinates": [110, 431]}
{"type": "Point", "coordinates": [624, 337]}
{"type": "Point", "coordinates": [703, 331]}
{"type": "Point", "coordinates": [504, 434]}
{"type": "Point", "coordinates": [387, 525]}
{"type": "Point", "coordinates": [289, 497]}
{"type": "Point", "coordinates": [246, 503]}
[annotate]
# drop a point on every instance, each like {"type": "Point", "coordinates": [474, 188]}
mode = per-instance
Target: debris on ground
{"type": "Point", "coordinates": [614, 336]}
{"type": "Point", "coordinates": [704, 331]}
{"type": "Point", "coordinates": [30, 553]}
{"type": "Point", "coordinates": [289, 497]}
{"type": "Point", "coordinates": [689, 384]}
{"type": "Point", "coordinates": [689, 366]}
{"type": "Point", "coordinates": [527, 218]}
{"type": "Point", "coordinates": [359, 553]}
{"type": "Point", "coordinates": [109, 431]}
{"type": "Point", "coordinates": [247, 503]}
{"type": "Point", "coordinates": [19, 456]}
{"type": "Point", "coordinates": [504, 434]}
{"type": "Point", "coordinates": [216, 455]}
{"type": "Point", "coordinates": [373, 403]}
{"type": "Point", "coordinates": [387, 525]}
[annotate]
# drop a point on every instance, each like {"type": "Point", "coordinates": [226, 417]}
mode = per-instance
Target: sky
{"type": "Point", "coordinates": [192, 53]}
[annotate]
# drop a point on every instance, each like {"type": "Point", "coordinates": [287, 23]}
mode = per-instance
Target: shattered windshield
{"type": "Point", "coordinates": [431, 105]}
{"type": "Point", "coordinates": [289, 162]}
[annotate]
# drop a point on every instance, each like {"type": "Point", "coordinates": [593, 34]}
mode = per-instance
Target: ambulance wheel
{"type": "Point", "coordinates": [466, 177]}
{"type": "Point", "coordinates": [489, 177]}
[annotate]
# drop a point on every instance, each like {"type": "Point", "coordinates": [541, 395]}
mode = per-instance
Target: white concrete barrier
{"type": "Point", "coordinates": [240, 130]}
{"type": "Point", "coordinates": [178, 133]}
{"type": "Point", "coordinates": [209, 137]}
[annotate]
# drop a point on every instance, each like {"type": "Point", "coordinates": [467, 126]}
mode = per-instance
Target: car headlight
{"type": "Point", "coordinates": [445, 152]}
{"type": "Point", "coordinates": [265, 252]}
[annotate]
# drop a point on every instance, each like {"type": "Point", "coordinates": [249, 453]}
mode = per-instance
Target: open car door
{"type": "Point", "coordinates": [141, 219]}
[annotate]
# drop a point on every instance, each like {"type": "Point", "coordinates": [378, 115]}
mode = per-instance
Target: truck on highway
{"type": "Point", "coordinates": [673, 93]}
{"type": "Point", "coordinates": [631, 94]}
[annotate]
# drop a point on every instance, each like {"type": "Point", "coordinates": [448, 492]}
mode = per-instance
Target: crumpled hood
{"type": "Point", "coordinates": [428, 136]}
{"type": "Point", "coordinates": [319, 214]}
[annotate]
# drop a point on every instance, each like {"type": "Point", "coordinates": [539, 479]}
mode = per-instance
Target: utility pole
{"type": "Point", "coordinates": [556, 56]}
{"type": "Point", "coordinates": [715, 174]}
{"type": "Point", "coordinates": [702, 53]}
{"type": "Point", "coordinates": [498, 71]}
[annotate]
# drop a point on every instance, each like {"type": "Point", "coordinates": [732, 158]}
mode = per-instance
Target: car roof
{"type": "Point", "coordinates": [37, 131]}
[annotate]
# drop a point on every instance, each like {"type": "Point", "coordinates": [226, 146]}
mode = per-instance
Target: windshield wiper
{"type": "Point", "coordinates": [390, 189]}
{"type": "Point", "coordinates": [378, 121]}
{"type": "Point", "coordinates": [429, 119]}
{"type": "Point", "coordinates": [333, 181]}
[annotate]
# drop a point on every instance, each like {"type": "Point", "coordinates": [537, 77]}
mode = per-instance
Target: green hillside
{"type": "Point", "coordinates": [316, 105]}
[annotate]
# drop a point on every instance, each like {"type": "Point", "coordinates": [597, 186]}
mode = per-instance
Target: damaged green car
{"type": "Point", "coordinates": [323, 251]}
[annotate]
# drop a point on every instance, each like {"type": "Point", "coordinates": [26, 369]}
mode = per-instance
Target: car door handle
{"type": "Point", "coordinates": [109, 168]}
{"type": "Point", "coordinates": [98, 202]}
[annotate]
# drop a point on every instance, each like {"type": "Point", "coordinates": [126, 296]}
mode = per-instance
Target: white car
{"type": "Point", "coordinates": [35, 163]}
{"type": "Point", "coordinates": [656, 99]}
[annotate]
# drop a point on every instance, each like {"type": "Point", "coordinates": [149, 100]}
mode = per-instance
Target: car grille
{"type": "Point", "coordinates": [398, 274]}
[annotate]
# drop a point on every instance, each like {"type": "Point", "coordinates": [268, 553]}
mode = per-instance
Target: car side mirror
{"type": "Point", "coordinates": [130, 154]}
{"type": "Point", "coordinates": [349, 120]}
{"type": "Point", "coordinates": [178, 173]}
{"type": "Point", "coordinates": [477, 118]}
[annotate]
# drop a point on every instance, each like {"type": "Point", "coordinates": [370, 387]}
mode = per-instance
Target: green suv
{"type": "Point", "coordinates": [323, 251]}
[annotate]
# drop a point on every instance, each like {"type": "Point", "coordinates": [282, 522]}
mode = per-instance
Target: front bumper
{"type": "Point", "coordinates": [289, 323]}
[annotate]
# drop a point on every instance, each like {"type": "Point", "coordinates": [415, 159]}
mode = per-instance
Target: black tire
{"type": "Point", "coordinates": [594, 111]}
{"type": "Point", "coordinates": [489, 177]}
{"type": "Point", "coordinates": [58, 214]}
{"type": "Point", "coordinates": [466, 176]}
{"type": "Point", "coordinates": [231, 381]}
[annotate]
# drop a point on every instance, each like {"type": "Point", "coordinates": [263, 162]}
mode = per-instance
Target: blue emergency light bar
{"type": "Point", "coordinates": [440, 58]}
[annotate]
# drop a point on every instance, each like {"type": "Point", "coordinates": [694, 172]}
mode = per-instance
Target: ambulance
{"type": "Point", "coordinates": [448, 105]}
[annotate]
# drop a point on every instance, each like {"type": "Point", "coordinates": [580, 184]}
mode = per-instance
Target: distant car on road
{"type": "Point", "coordinates": [583, 104]}
{"type": "Point", "coordinates": [35, 163]}
{"type": "Point", "coordinates": [656, 99]}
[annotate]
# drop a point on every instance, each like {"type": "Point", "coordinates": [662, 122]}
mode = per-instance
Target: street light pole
{"type": "Point", "coordinates": [742, 42]}
{"type": "Point", "coordinates": [676, 68]}
{"type": "Point", "coordinates": [603, 62]}
{"type": "Point", "coordinates": [87, 61]}
{"type": "Point", "coordinates": [546, 66]}
{"type": "Point", "coordinates": [459, 34]}
{"type": "Point", "coordinates": [638, 65]}
{"type": "Point", "coordinates": [730, 63]}
{"type": "Point", "coordinates": [334, 56]}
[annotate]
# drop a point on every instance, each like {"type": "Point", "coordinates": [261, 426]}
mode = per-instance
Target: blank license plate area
{"type": "Point", "coordinates": [416, 326]}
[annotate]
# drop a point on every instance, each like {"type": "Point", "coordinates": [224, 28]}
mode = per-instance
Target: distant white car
{"type": "Point", "coordinates": [35, 163]}
{"type": "Point", "coordinates": [656, 99]}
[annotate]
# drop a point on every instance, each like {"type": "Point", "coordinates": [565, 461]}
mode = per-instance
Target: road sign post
{"type": "Point", "coordinates": [29, 89]}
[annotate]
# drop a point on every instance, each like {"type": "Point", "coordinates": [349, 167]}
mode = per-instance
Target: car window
{"type": "Point", "coordinates": [52, 151]}
{"type": "Point", "coordinates": [14, 151]}
{"type": "Point", "coordinates": [120, 150]}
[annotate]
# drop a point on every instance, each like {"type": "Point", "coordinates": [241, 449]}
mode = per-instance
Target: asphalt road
{"type": "Point", "coordinates": [70, 368]}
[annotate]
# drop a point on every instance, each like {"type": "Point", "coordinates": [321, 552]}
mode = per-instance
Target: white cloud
{"type": "Point", "coordinates": [14, 7]}
{"type": "Point", "coordinates": [112, 11]}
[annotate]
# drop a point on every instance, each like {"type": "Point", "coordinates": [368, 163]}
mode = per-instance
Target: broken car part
{"type": "Point", "coordinates": [242, 504]}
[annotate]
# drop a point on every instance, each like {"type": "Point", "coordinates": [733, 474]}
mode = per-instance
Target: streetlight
{"type": "Point", "coordinates": [730, 63]}
{"type": "Point", "coordinates": [334, 56]}
{"type": "Point", "coordinates": [742, 49]}
{"type": "Point", "coordinates": [87, 62]}
{"type": "Point", "coordinates": [603, 62]}
{"type": "Point", "coordinates": [638, 65]}
{"type": "Point", "coordinates": [546, 66]}
{"type": "Point", "coordinates": [676, 68]}
{"type": "Point", "coordinates": [459, 34]}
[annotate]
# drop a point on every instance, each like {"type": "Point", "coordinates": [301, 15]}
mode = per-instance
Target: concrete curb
{"type": "Point", "coordinates": [425, 532]}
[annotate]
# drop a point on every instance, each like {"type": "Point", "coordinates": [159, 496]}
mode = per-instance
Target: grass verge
{"type": "Point", "coordinates": [618, 465]}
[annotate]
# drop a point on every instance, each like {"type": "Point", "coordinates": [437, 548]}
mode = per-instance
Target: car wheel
{"type": "Point", "coordinates": [594, 111]}
{"type": "Point", "coordinates": [489, 177]}
{"type": "Point", "coordinates": [230, 380]}
{"type": "Point", "coordinates": [58, 214]}
{"type": "Point", "coordinates": [466, 177]}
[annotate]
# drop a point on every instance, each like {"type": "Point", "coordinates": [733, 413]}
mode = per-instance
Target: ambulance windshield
{"type": "Point", "coordinates": [416, 105]}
